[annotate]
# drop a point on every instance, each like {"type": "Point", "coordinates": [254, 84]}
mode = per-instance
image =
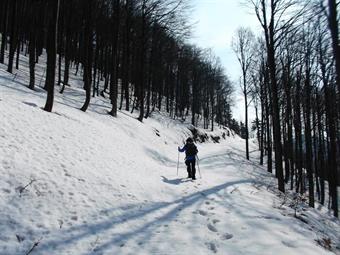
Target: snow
{"type": "Point", "coordinates": [103, 185]}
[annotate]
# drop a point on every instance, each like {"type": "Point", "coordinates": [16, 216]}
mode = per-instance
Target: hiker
{"type": "Point", "coordinates": [190, 157]}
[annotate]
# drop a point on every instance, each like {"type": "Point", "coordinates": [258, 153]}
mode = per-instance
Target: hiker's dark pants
{"type": "Point", "coordinates": [191, 167]}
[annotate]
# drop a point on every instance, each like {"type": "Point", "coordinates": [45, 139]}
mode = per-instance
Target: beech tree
{"type": "Point", "coordinates": [243, 46]}
{"type": "Point", "coordinates": [141, 55]}
{"type": "Point", "coordinates": [299, 95]}
{"type": "Point", "coordinates": [51, 49]}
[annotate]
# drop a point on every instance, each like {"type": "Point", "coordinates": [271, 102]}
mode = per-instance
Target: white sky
{"type": "Point", "coordinates": [217, 21]}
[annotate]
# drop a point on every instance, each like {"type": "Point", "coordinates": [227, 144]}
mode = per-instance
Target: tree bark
{"type": "Point", "coordinates": [53, 7]}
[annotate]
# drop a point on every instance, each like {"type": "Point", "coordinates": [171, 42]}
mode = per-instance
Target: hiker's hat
{"type": "Point", "coordinates": [189, 140]}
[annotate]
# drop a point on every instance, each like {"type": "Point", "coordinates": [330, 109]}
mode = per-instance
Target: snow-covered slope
{"type": "Point", "coordinates": [87, 183]}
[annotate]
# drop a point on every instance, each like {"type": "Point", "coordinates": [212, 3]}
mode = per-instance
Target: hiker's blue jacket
{"type": "Point", "coordinates": [190, 158]}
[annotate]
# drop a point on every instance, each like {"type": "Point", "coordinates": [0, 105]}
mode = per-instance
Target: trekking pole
{"type": "Point", "coordinates": [198, 165]}
{"type": "Point", "coordinates": [177, 163]}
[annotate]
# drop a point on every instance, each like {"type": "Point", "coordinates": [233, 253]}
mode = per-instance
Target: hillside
{"type": "Point", "coordinates": [87, 183]}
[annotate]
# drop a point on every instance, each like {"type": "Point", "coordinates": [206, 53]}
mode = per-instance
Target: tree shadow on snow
{"type": "Point", "coordinates": [151, 216]}
{"type": "Point", "coordinates": [161, 158]}
{"type": "Point", "coordinates": [31, 104]}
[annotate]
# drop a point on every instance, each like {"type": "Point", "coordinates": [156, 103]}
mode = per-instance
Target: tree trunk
{"type": "Point", "coordinates": [308, 141]}
{"type": "Point", "coordinates": [51, 52]}
{"type": "Point", "coordinates": [32, 47]}
{"type": "Point", "coordinates": [88, 48]}
{"type": "Point", "coordinates": [246, 117]}
{"type": "Point", "coordinates": [13, 36]}
{"type": "Point", "coordinates": [4, 23]}
{"type": "Point", "coordinates": [115, 61]}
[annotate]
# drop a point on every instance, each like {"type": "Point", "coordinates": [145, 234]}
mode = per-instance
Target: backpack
{"type": "Point", "coordinates": [191, 150]}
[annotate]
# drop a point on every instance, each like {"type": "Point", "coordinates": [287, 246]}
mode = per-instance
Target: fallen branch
{"type": "Point", "coordinates": [95, 244]}
{"type": "Point", "coordinates": [299, 217]}
{"type": "Point", "coordinates": [34, 246]}
{"type": "Point", "coordinates": [22, 189]}
{"type": "Point", "coordinates": [235, 189]}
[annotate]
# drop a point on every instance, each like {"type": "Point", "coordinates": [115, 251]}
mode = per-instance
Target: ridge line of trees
{"type": "Point", "coordinates": [131, 51]}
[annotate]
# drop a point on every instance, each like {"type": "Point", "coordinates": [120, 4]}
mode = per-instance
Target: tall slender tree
{"type": "Point", "coordinates": [243, 46]}
{"type": "Point", "coordinates": [51, 49]}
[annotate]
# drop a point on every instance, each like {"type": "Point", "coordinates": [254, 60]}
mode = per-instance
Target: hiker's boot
{"type": "Point", "coordinates": [189, 174]}
{"type": "Point", "coordinates": [193, 173]}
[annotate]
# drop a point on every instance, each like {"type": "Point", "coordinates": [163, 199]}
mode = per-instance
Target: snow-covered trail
{"type": "Point", "coordinates": [225, 212]}
{"type": "Point", "coordinates": [103, 185]}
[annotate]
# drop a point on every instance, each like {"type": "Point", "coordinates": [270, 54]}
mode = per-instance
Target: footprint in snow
{"type": "Point", "coordinates": [227, 236]}
{"type": "Point", "coordinates": [104, 212]}
{"type": "Point", "coordinates": [75, 218]}
{"type": "Point", "coordinates": [288, 243]}
{"type": "Point", "coordinates": [215, 221]}
{"type": "Point", "coordinates": [6, 191]}
{"type": "Point", "coordinates": [40, 225]}
{"type": "Point", "coordinates": [203, 213]}
{"type": "Point", "coordinates": [6, 164]}
{"type": "Point", "coordinates": [212, 228]}
{"type": "Point", "coordinates": [4, 238]}
{"type": "Point", "coordinates": [212, 246]}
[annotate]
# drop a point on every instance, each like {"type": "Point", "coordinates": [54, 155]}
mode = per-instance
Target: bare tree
{"type": "Point", "coordinates": [53, 7]}
{"type": "Point", "coordinates": [276, 18]}
{"type": "Point", "coordinates": [334, 29]}
{"type": "Point", "coordinates": [243, 46]}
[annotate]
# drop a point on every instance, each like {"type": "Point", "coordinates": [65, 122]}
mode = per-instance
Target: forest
{"type": "Point", "coordinates": [138, 50]}
{"type": "Point", "coordinates": [291, 73]}
{"type": "Point", "coordinates": [136, 47]}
